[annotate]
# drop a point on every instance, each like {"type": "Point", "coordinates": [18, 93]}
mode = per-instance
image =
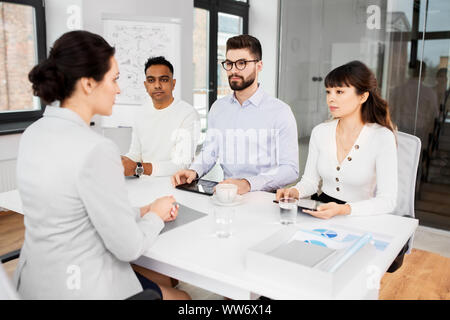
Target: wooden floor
{"type": "Point", "coordinates": [424, 275]}
{"type": "Point", "coordinates": [11, 236]}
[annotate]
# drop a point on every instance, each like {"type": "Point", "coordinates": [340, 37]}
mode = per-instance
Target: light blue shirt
{"type": "Point", "coordinates": [256, 141]}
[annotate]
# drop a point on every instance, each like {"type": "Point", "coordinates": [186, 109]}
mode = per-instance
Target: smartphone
{"type": "Point", "coordinates": [306, 204]}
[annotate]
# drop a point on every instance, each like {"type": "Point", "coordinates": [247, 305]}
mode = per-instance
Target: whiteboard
{"type": "Point", "coordinates": [136, 39]}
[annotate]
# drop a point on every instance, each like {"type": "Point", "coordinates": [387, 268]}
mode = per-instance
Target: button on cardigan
{"type": "Point", "coordinates": [366, 178]}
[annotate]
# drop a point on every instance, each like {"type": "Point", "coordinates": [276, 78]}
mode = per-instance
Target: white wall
{"type": "Point", "coordinates": [123, 115]}
{"type": "Point", "coordinates": [180, 9]}
{"type": "Point", "coordinates": [56, 17]}
{"type": "Point", "coordinates": [263, 24]}
{"type": "Point", "coordinates": [61, 16]}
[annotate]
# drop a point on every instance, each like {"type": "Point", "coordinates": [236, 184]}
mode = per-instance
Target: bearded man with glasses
{"type": "Point", "coordinates": [252, 135]}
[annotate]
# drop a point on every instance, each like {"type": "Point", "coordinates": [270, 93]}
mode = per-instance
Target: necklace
{"type": "Point", "coordinates": [345, 141]}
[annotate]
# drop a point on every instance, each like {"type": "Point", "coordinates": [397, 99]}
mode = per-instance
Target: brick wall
{"type": "Point", "coordinates": [17, 56]}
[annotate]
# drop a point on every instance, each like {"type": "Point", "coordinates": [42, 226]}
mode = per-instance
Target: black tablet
{"type": "Point", "coordinates": [199, 186]}
{"type": "Point", "coordinates": [306, 204]}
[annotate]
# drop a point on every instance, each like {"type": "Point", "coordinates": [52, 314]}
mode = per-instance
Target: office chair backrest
{"type": "Point", "coordinates": [7, 291]}
{"type": "Point", "coordinates": [408, 159]}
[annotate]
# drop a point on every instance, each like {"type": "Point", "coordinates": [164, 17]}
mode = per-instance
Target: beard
{"type": "Point", "coordinates": [241, 85]}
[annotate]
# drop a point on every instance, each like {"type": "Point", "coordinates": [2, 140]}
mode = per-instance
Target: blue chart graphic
{"type": "Point", "coordinates": [318, 243]}
{"type": "Point", "coordinates": [379, 244]}
{"type": "Point", "coordinates": [342, 237]}
{"type": "Point", "coordinates": [326, 233]}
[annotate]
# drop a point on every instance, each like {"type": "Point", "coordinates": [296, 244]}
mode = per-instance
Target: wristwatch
{"type": "Point", "coordinates": [139, 170]}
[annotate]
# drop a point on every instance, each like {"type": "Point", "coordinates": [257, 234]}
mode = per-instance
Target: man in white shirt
{"type": "Point", "coordinates": [165, 134]}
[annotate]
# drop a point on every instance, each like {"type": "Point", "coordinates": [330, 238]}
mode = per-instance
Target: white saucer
{"type": "Point", "coordinates": [237, 201]}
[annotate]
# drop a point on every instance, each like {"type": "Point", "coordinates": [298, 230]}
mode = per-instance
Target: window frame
{"type": "Point", "coordinates": [236, 8]}
{"type": "Point", "coordinates": [16, 122]}
{"type": "Point", "coordinates": [417, 35]}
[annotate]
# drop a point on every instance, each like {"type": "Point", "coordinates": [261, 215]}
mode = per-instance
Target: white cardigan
{"type": "Point", "coordinates": [367, 177]}
{"type": "Point", "coordinates": [80, 229]}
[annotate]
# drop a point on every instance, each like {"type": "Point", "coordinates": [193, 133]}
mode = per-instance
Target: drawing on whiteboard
{"type": "Point", "coordinates": [135, 42]}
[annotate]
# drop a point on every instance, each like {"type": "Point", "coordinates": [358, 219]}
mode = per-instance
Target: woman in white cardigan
{"type": "Point", "coordinates": [80, 230]}
{"type": "Point", "coordinates": [355, 154]}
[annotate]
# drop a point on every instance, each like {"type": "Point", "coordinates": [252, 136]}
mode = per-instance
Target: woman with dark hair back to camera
{"type": "Point", "coordinates": [355, 154]}
{"type": "Point", "coordinates": [80, 229]}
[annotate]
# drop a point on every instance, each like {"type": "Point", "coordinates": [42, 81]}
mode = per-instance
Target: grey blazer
{"type": "Point", "coordinates": [80, 229]}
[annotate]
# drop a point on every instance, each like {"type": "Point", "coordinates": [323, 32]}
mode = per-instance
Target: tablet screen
{"type": "Point", "coordinates": [306, 204]}
{"type": "Point", "coordinates": [199, 186]}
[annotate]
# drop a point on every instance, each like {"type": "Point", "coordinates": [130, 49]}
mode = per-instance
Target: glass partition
{"type": "Point", "coordinates": [200, 63]}
{"type": "Point", "coordinates": [229, 26]}
{"type": "Point", "coordinates": [406, 43]}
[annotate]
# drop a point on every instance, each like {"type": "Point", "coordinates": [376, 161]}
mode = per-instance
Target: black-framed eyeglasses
{"type": "Point", "coordinates": [240, 64]}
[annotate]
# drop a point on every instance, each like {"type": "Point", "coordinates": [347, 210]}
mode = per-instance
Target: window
{"type": "Point", "coordinates": [214, 22]}
{"type": "Point", "coordinates": [22, 45]}
{"type": "Point", "coordinates": [230, 25]}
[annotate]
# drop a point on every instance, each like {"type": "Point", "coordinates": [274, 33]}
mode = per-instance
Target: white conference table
{"type": "Point", "coordinates": [193, 254]}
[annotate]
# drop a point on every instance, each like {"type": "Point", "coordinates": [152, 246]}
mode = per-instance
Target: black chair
{"type": "Point", "coordinates": [9, 256]}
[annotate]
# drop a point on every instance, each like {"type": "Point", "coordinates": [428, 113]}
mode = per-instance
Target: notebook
{"type": "Point", "coordinates": [302, 253]}
{"type": "Point", "coordinates": [185, 215]}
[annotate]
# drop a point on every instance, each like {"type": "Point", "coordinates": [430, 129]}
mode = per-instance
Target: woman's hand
{"type": "Point", "coordinates": [165, 207]}
{"type": "Point", "coordinates": [329, 210]}
{"type": "Point", "coordinates": [287, 193]}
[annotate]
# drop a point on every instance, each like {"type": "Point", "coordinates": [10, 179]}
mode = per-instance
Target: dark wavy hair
{"type": "Point", "coordinates": [75, 55]}
{"type": "Point", "coordinates": [358, 75]}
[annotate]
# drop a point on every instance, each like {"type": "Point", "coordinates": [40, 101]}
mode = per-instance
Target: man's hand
{"type": "Point", "coordinates": [329, 210]}
{"type": "Point", "coordinates": [242, 184]}
{"type": "Point", "coordinates": [129, 166]}
{"type": "Point", "coordinates": [287, 193]}
{"type": "Point", "coordinates": [183, 176]}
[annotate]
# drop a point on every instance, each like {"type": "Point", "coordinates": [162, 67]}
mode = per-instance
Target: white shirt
{"type": "Point", "coordinates": [256, 141]}
{"type": "Point", "coordinates": [166, 138]}
{"type": "Point", "coordinates": [367, 177]}
{"type": "Point", "coordinates": [80, 229]}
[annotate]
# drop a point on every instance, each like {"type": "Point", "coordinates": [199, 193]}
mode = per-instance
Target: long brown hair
{"type": "Point", "coordinates": [358, 75]}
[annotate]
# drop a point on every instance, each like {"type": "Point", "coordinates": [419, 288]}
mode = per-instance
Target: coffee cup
{"type": "Point", "coordinates": [226, 192]}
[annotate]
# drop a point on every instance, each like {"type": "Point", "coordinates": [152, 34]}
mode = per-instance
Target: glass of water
{"type": "Point", "coordinates": [288, 210]}
{"type": "Point", "coordinates": [223, 217]}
